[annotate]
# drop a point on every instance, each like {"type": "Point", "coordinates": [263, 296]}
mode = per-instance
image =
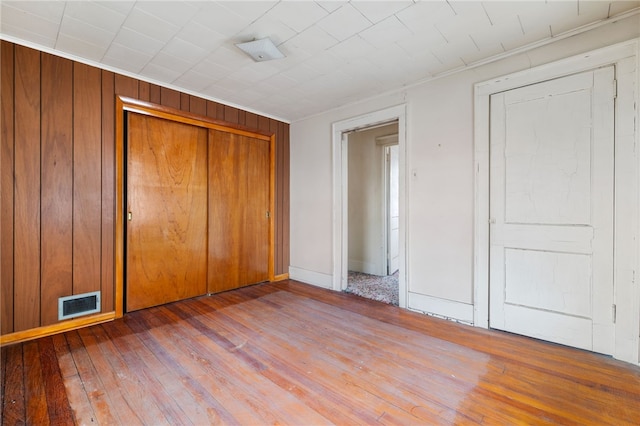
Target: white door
{"type": "Point", "coordinates": [393, 209]}
{"type": "Point", "coordinates": [551, 210]}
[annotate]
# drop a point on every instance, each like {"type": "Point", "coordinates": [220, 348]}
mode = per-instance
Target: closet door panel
{"type": "Point", "coordinates": [238, 210]}
{"type": "Point", "coordinates": [167, 198]}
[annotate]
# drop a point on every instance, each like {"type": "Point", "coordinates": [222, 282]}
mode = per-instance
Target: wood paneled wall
{"type": "Point", "coordinates": [58, 179]}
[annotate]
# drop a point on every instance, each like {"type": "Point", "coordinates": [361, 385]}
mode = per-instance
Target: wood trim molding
{"type": "Point", "coordinates": [280, 277]}
{"type": "Point", "coordinates": [180, 116]}
{"type": "Point", "coordinates": [272, 207]}
{"type": "Point", "coordinates": [48, 330]}
{"type": "Point", "coordinates": [123, 104]}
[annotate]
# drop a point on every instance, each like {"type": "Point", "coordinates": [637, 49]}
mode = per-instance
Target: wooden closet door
{"type": "Point", "coordinates": [238, 207]}
{"type": "Point", "coordinates": [167, 198]}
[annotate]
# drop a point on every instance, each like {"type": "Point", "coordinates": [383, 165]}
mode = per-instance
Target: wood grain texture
{"type": "Point", "coordinates": [25, 131]}
{"type": "Point", "coordinates": [154, 94]}
{"type": "Point", "coordinates": [7, 150]}
{"type": "Point", "coordinates": [87, 178]}
{"type": "Point", "coordinates": [238, 202]}
{"type": "Point", "coordinates": [126, 86]}
{"type": "Point", "coordinates": [197, 105]}
{"type": "Point", "coordinates": [13, 392]}
{"type": "Point", "coordinates": [37, 412]}
{"type": "Point", "coordinates": [170, 98]}
{"type": "Point", "coordinates": [277, 128]}
{"type": "Point", "coordinates": [251, 120]}
{"type": "Point", "coordinates": [167, 195]}
{"type": "Point", "coordinates": [108, 191]}
{"type": "Point", "coordinates": [185, 102]}
{"type": "Point", "coordinates": [231, 114]}
{"type": "Point", "coordinates": [27, 189]}
{"type": "Point", "coordinates": [286, 209]}
{"type": "Point", "coordinates": [57, 195]}
{"type": "Point", "coordinates": [289, 353]}
{"type": "Point", "coordinates": [144, 89]}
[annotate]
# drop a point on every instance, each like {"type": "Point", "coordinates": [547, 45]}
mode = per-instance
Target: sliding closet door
{"type": "Point", "coordinates": [167, 211]}
{"type": "Point", "coordinates": [238, 210]}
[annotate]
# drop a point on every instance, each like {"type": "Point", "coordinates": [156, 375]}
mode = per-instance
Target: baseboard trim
{"type": "Point", "coordinates": [448, 309]}
{"type": "Point", "coordinates": [311, 277]}
{"type": "Point", "coordinates": [281, 277]}
{"type": "Point", "coordinates": [49, 330]}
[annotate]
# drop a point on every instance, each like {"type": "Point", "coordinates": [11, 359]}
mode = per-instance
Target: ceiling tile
{"type": "Point", "coordinates": [505, 31]}
{"type": "Point", "coordinates": [424, 14]}
{"type": "Point", "coordinates": [159, 73]}
{"type": "Point", "coordinates": [21, 21]}
{"type": "Point", "coordinates": [221, 20]}
{"type": "Point", "coordinates": [123, 57]}
{"type": "Point", "coordinates": [178, 13]}
{"type": "Point", "coordinates": [51, 11]}
{"type": "Point", "coordinates": [298, 15]}
{"type": "Point", "coordinates": [213, 69]}
{"type": "Point", "coordinates": [331, 5]}
{"type": "Point", "coordinates": [385, 32]}
{"type": "Point", "coordinates": [194, 81]}
{"type": "Point", "coordinates": [81, 30]}
{"type": "Point", "coordinates": [95, 14]}
{"type": "Point", "coordinates": [311, 40]}
{"type": "Point", "coordinates": [353, 47]}
{"type": "Point", "coordinates": [251, 10]}
{"type": "Point", "coordinates": [281, 81]}
{"type": "Point", "coordinates": [137, 41]}
{"type": "Point", "coordinates": [82, 48]}
{"type": "Point", "coordinates": [337, 51]}
{"type": "Point", "coordinates": [500, 11]}
{"type": "Point", "coordinates": [184, 51]}
{"type": "Point", "coordinates": [121, 6]}
{"type": "Point", "coordinates": [150, 25]}
{"type": "Point", "coordinates": [22, 33]}
{"type": "Point", "coordinates": [617, 7]}
{"type": "Point", "coordinates": [344, 22]}
{"type": "Point", "coordinates": [201, 36]}
{"type": "Point", "coordinates": [477, 55]}
{"type": "Point", "coordinates": [170, 62]}
{"type": "Point", "coordinates": [376, 11]}
{"type": "Point", "coordinates": [463, 23]}
{"type": "Point", "coordinates": [265, 26]}
{"type": "Point", "coordinates": [300, 73]}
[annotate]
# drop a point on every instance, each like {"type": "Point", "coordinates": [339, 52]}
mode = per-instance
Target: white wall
{"type": "Point", "coordinates": [439, 170]}
{"type": "Point", "coordinates": [366, 200]}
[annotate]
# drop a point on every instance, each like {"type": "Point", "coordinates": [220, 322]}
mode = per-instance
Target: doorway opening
{"type": "Point", "coordinates": [369, 219]}
{"type": "Point", "coordinates": [372, 204]}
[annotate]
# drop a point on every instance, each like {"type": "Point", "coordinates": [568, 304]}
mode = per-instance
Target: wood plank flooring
{"type": "Point", "coordinates": [289, 353]}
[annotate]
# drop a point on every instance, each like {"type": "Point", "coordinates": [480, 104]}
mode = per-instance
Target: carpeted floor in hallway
{"type": "Point", "coordinates": [380, 288]}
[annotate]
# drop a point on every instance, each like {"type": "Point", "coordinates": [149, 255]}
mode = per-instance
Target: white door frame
{"type": "Point", "coordinates": [625, 57]}
{"type": "Point", "coordinates": [340, 191]}
{"type": "Point", "coordinates": [383, 142]}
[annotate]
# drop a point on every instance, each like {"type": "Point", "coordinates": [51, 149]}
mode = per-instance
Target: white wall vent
{"type": "Point", "coordinates": [78, 305]}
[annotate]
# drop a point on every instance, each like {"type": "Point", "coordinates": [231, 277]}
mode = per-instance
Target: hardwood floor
{"type": "Point", "coordinates": [288, 353]}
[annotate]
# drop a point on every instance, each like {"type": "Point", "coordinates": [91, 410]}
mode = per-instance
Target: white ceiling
{"type": "Point", "coordinates": [337, 52]}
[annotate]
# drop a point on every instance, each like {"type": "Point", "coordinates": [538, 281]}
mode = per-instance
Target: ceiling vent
{"type": "Point", "coordinates": [78, 305]}
{"type": "Point", "coordinates": [261, 50]}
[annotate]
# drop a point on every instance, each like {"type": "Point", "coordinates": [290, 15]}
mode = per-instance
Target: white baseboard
{"type": "Point", "coordinates": [364, 267]}
{"type": "Point", "coordinates": [448, 309]}
{"type": "Point", "coordinates": [311, 277]}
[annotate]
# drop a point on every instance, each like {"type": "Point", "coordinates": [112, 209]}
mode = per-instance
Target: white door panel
{"type": "Point", "coordinates": [551, 204]}
{"type": "Point", "coordinates": [393, 244]}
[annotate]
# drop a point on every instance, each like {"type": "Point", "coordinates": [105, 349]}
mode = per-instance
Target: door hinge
{"type": "Point", "coordinates": [613, 311]}
{"type": "Point", "coordinates": [615, 89]}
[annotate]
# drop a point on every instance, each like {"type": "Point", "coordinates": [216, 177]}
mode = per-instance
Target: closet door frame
{"type": "Point", "coordinates": [125, 105]}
